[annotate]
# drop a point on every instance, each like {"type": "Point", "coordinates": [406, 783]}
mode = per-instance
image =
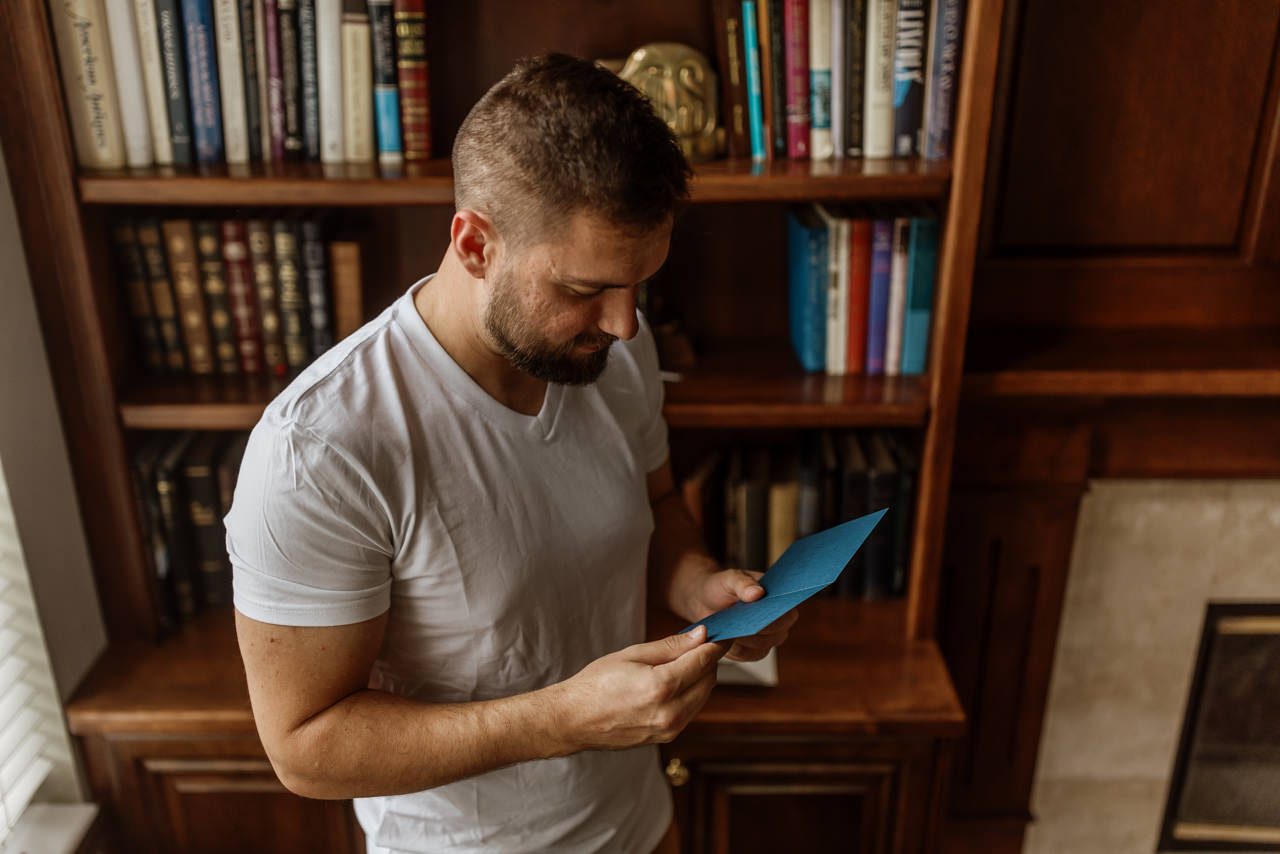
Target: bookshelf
{"type": "Point", "coordinates": [893, 683]}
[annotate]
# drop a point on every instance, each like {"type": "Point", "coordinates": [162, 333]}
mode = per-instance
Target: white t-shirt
{"type": "Point", "coordinates": [510, 549]}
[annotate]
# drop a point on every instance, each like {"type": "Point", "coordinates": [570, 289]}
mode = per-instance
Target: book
{"type": "Point", "coordinates": [922, 266]}
{"type": "Point", "coordinates": [763, 36]}
{"type": "Point", "coordinates": [795, 19]}
{"type": "Point", "coordinates": [878, 297]}
{"type": "Point", "coordinates": [837, 281]}
{"type": "Point", "coordinates": [877, 96]}
{"type": "Point", "coordinates": [855, 58]}
{"type": "Point", "coordinates": [808, 488]}
{"type": "Point", "coordinates": [173, 64]}
{"type": "Point", "coordinates": [882, 492]}
{"type": "Point", "coordinates": [775, 73]}
{"type": "Point", "coordinates": [309, 79]}
{"type": "Point", "coordinates": [159, 288]}
{"type": "Point", "coordinates": [290, 77]}
{"type": "Point", "coordinates": [859, 295]}
{"type": "Point", "coordinates": [837, 88]}
{"type": "Point", "coordinates": [807, 286]}
{"type": "Point", "coordinates": [329, 67]}
{"type": "Point", "coordinates": [176, 527]}
{"type": "Point", "coordinates": [897, 296]}
{"type": "Point", "coordinates": [784, 497]}
{"type": "Point", "coordinates": [292, 293]}
{"type": "Point", "coordinates": [213, 283]}
{"type": "Point", "coordinates": [751, 495]}
{"type": "Point", "coordinates": [88, 78]}
{"type": "Point", "coordinates": [132, 275]}
{"type": "Point", "coordinates": [203, 503]}
{"type": "Point", "coordinates": [908, 463]}
{"type": "Point", "coordinates": [755, 91]}
{"type": "Point", "coordinates": [946, 35]}
{"type": "Point", "coordinates": [260, 24]}
{"type": "Point", "coordinates": [179, 243]}
{"type": "Point", "coordinates": [148, 40]}
{"type": "Point", "coordinates": [202, 80]}
{"type": "Point", "coordinates": [820, 143]}
{"type": "Point", "coordinates": [240, 295]}
{"type": "Point", "coordinates": [231, 80]}
{"type": "Point", "coordinates": [411, 78]}
{"type": "Point", "coordinates": [854, 494]}
{"type": "Point", "coordinates": [315, 271]}
{"type": "Point", "coordinates": [348, 300]}
{"type": "Point", "coordinates": [250, 69]}
{"type": "Point", "coordinates": [275, 79]}
{"type": "Point", "coordinates": [357, 84]}
{"type": "Point", "coordinates": [262, 259]}
{"type": "Point", "coordinates": [142, 476]}
{"type": "Point", "coordinates": [386, 93]}
{"type": "Point", "coordinates": [733, 81]}
{"type": "Point", "coordinates": [908, 76]}
{"type": "Point", "coordinates": [123, 36]}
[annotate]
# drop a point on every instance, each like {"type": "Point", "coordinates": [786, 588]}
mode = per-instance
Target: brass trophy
{"type": "Point", "coordinates": [680, 83]}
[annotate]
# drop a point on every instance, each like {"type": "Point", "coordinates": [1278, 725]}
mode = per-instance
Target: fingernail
{"type": "Point", "coordinates": [699, 633]}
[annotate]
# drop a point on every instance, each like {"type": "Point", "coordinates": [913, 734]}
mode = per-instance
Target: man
{"type": "Point", "coordinates": [441, 530]}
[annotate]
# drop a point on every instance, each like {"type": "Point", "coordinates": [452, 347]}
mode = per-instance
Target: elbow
{"type": "Point", "coordinates": [302, 771]}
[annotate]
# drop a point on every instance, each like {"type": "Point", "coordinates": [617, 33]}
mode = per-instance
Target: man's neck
{"type": "Point", "coordinates": [450, 304]}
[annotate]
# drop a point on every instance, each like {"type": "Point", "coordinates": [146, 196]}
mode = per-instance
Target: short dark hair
{"type": "Point", "coordinates": [558, 135]}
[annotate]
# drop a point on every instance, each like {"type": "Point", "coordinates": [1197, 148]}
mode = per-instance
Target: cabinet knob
{"type": "Point", "coordinates": [677, 773]}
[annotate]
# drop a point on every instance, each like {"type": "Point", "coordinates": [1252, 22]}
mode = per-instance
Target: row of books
{"type": "Point", "coordinates": [183, 484]}
{"type": "Point", "coordinates": [816, 79]}
{"type": "Point", "coordinates": [234, 296]}
{"type": "Point", "coordinates": [176, 82]}
{"type": "Point", "coordinates": [860, 287]}
{"type": "Point", "coordinates": [753, 502]}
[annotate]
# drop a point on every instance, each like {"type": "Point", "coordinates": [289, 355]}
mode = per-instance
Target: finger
{"type": "Point", "coordinates": [741, 584]}
{"type": "Point", "coordinates": [693, 665]}
{"type": "Point", "coordinates": [666, 649]}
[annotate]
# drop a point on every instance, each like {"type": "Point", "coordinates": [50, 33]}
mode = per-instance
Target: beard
{"type": "Point", "coordinates": [522, 345]}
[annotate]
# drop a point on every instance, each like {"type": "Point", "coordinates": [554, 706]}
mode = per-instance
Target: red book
{"type": "Point", "coordinates": [411, 78]}
{"type": "Point", "coordinates": [240, 286]}
{"type": "Point", "coordinates": [795, 23]}
{"type": "Point", "coordinates": [859, 294]}
{"type": "Point", "coordinates": [275, 79]}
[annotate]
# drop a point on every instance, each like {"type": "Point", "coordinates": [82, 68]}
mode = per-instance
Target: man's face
{"type": "Point", "coordinates": [556, 306]}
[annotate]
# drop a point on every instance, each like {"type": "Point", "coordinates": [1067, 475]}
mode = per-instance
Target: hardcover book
{"type": "Point", "coordinates": [908, 76]}
{"type": "Point", "coordinates": [213, 282]}
{"type": "Point", "coordinates": [180, 250]}
{"type": "Point", "coordinates": [411, 78]}
{"type": "Point", "coordinates": [160, 289]}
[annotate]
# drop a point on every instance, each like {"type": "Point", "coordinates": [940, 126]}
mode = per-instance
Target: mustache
{"type": "Point", "coordinates": [602, 340]}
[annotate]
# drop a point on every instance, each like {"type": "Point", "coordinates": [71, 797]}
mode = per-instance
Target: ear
{"type": "Point", "coordinates": [474, 241]}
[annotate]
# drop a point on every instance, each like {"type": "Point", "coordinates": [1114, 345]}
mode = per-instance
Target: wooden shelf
{"type": "Point", "coordinates": [1125, 363]}
{"type": "Point", "coordinates": [431, 183]}
{"type": "Point", "coordinates": [845, 669]}
{"type": "Point", "coordinates": [735, 389]}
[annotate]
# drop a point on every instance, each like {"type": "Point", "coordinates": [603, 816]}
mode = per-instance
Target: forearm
{"type": "Point", "coordinates": [678, 558]}
{"type": "Point", "coordinates": [377, 743]}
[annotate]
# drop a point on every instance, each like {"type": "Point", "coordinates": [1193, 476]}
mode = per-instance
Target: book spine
{"type": "Point", "coordinates": [173, 62]}
{"type": "Point", "coordinates": [275, 79]}
{"type": "Point", "coordinates": [878, 301]}
{"type": "Point", "coordinates": [262, 37]}
{"type": "Point", "coordinates": [838, 48]}
{"type": "Point", "coordinates": [946, 37]}
{"type": "Point", "coordinates": [208, 534]}
{"type": "Point", "coordinates": [262, 258]}
{"type": "Point", "coordinates": [309, 73]}
{"type": "Point", "coordinates": [348, 300]}
{"type": "Point", "coordinates": [161, 293]}
{"type": "Point", "coordinates": [293, 299]}
{"type": "Point", "coordinates": [897, 297]}
{"type": "Point", "coordinates": [290, 76]}
{"type": "Point", "coordinates": [777, 75]}
{"type": "Point", "coordinates": [141, 471]}
{"type": "Point", "coordinates": [859, 294]}
{"type": "Point", "coordinates": [133, 276]}
{"type": "Point", "coordinates": [244, 308]}
{"type": "Point", "coordinates": [125, 57]}
{"type": "Point", "coordinates": [202, 80]}
{"type": "Point", "coordinates": [316, 274]}
{"type": "Point", "coordinates": [329, 63]}
{"type": "Point", "coordinates": [768, 119]}
{"type": "Point", "coordinates": [838, 300]}
{"type": "Point", "coordinates": [231, 82]}
{"type": "Point", "coordinates": [144, 16]}
{"type": "Point", "coordinates": [386, 96]}
{"type": "Point", "coordinates": [733, 83]}
{"type": "Point", "coordinates": [808, 292]}
{"type": "Point", "coordinates": [877, 100]}
{"type": "Point", "coordinates": [213, 281]}
{"type": "Point", "coordinates": [180, 580]}
{"type": "Point", "coordinates": [88, 77]}
{"type": "Point", "coordinates": [249, 67]}
{"type": "Point", "coordinates": [820, 143]}
{"type": "Point", "coordinates": [922, 265]}
{"type": "Point", "coordinates": [357, 88]}
{"type": "Point", "coordinates": [180, 248]}
{"type": "Point", "coordinates": [796, 24]}
{"type": "Point", "coordinates": [755, 97]}
{"type": "Point", "coordinates": [908, 76]}
{"type": "Point", "coordinates": [855, 57]}
{"type": "Point", "coordinates": [411, 78]}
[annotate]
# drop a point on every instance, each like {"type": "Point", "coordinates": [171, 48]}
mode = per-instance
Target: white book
{"type": "Point", "coordinates": [260, 53]}
{"type": "Point", "coordinates": [235, 124]}
{"type": "Point", "coordinates": [838, 48]}
{"type": "Point", "coordinates": [897, 297]}
{"type": "Point", "coordinates": [133, 100]}
{"type": "Point", "coordinates": [821, 146]}
{"type": "Point", "coordinates": [153, 80]}
{"type": "Point", "coordinates": [837, 309]}
{"type": "Point", "coordinates": [357, 89]}
{"type": "Point", "coordinates": [329, 60]}
{"type": "Point", "coordinates": [877, 100]}
{"type": "Point", "coordinates": [89, 80]}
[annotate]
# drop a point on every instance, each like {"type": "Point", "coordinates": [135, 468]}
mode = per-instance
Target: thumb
{"type": "Point", "coordinates": [741, 585]}
{"type": "Point", "coordinates": [666, 649]}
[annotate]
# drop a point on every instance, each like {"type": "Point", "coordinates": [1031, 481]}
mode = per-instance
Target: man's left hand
{"type": "Point", "coordinates": [719, 590]}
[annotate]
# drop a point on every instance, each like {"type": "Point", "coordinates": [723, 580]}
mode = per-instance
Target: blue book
{"type": "Point", "coordinates": [946, 35]}
{"type": "Point", "coordinates": [922, 266]}
{"type": "Point", "coordinates": [169, 29]}
{"type": "Point", "coordinates": [202, 78]}
{"type": "Point", "coordinates": [908, 76]}
{"type": "Point", "coordinates": [386, 94]}
{"type": "Point", "coordinates": [755, 88]}
{"type": "Point", "coordinates": [807, 288]}
{"type": "Point", "coordinates": [878, 299]}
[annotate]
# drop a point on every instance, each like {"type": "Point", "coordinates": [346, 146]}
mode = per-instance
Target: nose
{"type": "Point", "coordinates": [618, 313]}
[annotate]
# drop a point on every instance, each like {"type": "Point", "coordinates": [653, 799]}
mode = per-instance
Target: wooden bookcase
{"type": "Point", "coordinates": [866, 709]}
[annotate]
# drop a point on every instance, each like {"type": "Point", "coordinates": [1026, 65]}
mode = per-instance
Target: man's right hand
{"type": "Point", "coordinates": [643, 694]}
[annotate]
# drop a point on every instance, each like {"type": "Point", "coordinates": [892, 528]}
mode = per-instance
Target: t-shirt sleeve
{"type": "Point", "coordinates": [309, 539]}
{"type": "Point", "coordinates": [651, 435]}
